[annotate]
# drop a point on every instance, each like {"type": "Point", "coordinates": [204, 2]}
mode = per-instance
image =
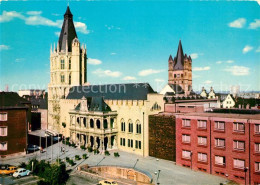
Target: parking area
{"type": "Point", "coordinates": [169, 172]}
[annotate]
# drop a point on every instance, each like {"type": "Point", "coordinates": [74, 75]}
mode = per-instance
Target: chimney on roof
{"type": "Point", "coordinates": [6, 88]}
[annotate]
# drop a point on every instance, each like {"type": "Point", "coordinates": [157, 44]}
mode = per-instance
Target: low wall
{"type": "Point", "coordinates": [118, 172]}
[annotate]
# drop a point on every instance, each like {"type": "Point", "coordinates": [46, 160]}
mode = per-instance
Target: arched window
{"type": "Point", "coordinates": [105, 124]}
{"type": "Point", "coordinates": [69, 63]}
{"type": "Point", "coordinates": [98, 124]}
{"type": "Point", "coordinates": [111, 122]}
{"type": "Point", "coordinates": [69, 79]}
{"type": "Point", "coordinates": [91, 123]}
{"type": "Point", "coordinates": [122, 125]}
{"type": "Point", "coordinates": [130, 126]}
{"type": "Point", "coordinates": [62, 64]}
{"type": "Point", "coordinates": [138, 127]}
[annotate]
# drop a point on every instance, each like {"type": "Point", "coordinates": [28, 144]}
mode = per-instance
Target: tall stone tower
{"type": "Point", "coordinates": [68, 67]}
{"type": "Point", "coordinates": [180, 70]}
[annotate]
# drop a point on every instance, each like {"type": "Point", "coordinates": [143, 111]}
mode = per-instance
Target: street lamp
{"type": "Point", "coordinates": [158, 175]}
{"type": "Point", "coordinates": [245, 170]}
{"type": "Point", "coordinates": [136, 162]}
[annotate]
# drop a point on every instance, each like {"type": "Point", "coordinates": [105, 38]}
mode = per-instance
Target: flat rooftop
{"type": "Point", "coordinates": [224, 115]}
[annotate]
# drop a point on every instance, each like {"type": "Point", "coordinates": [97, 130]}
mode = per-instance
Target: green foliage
{"type": "Point", "coordinates": [83, 147]}
{"type": "Point", "coordinates": [107, 153]}
{"type": "Point", "coordinates": [77, 157]}
{"type": "Point", "coordinates": [73, 145]}
{"type": "Point", "coordinates": [90, 149]}
{"type": "Point", "coordinates": [64, 125]}
{"type": "Point", "coordinates": [22, 165]}
{"type": "Point", "coordinates": [71, 162]}
{"type": "Point", "coordinates": [96, 151]}
{"type": "Point", "coordinates": [67, 159]}
{"type": "Point", "coordinates": [52, 174]}
{"type": "Point", "coordinates": [84, 156]}
{"type": "Point", "coordinates": [116, 154]}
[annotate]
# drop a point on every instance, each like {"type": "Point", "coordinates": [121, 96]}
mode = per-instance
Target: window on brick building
{"type": "Point", "coordinates": [257, 128]}
{"type": "Point", "coordinates": [238, 127]}
{"type": "Point", "coordinates": [239, 163]}
{"type": "Point", "coordinates": [202, 140]}
{"type": "Point", "coordinates": [186, 122]}
{"type": "Point", "coordinates": [257, 166]}
{"type": "Point", "coordinates": [3, 131]}
{"type": "Point", "coordinates": [202, 124]}
{"type": "Point", "coordinates": [257, 147]}
{"type": "Point", "coordinates": [3, 116]}
{"type": "Point", "coordinates": [220, 143]}
{"type": "Point", "coordinates": [220, 160]}
{"type": "Point", "coordinates": [202, 157]}
{"type": "Point", "coordinates": [239, 145]}
{"type": "Point", "coordinates": [185, 138]}
{"type": "Point", "coordinates": [186, 154]}
{"type": "Point", "coordinates": [219, 125]}
{"type": "Point", "coordinates": [3, 146]}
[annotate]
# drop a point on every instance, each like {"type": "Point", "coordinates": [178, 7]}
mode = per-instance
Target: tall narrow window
{"type": "Point", "coordinates": [62, 78]}
{"type": "Point", "coordinates": [70, 63]}
{"type": "Point", "coordinates": [62, 64]}
{"type": "Point", "coordinates": [257, 128]}
{"type": "Point", "coordinates": [69, 79]}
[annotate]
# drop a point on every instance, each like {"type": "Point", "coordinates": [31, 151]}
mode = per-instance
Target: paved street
{"type": "Point", "coordinates": [170, 173]}
{"type": "Point", "coordinates": [8, 180]}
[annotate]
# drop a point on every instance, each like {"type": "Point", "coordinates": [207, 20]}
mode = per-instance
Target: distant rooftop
{"type": "Point", "coordinates": [131, 91]}
{"type": "Point", "coordinates": [12, 100]}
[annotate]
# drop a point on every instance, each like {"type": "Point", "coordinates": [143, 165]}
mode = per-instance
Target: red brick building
{"type": "Point", "coordinates": [221, 144]}
{"type": "Point", "coordinates": [14, 120]}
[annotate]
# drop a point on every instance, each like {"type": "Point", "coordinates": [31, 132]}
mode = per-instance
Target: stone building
{"type": "Point", "coordinates": [180, 70]}
{"type": "Point", "coordinates": [74, 107]}
{"type": "Point", "coordinates": [68, 67]}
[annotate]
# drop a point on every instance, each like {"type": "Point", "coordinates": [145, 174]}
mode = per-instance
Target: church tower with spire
{"type": "Point", "coordinates": [180, 70]}
{"type": "Point", "coordinates": [68, 67]}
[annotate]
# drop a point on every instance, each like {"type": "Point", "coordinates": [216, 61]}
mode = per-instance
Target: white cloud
{"type": "Point", "coordinates": [258, 49]}
{"type": "Point", "coordinates": [208, 82]}
{"type": "Point", "coordinates": [19, 60]}
{"type": "Point", "coordinates": [230, 61]}
{"type": "Point", "coordinates": [129, 78]}
{"type": "Point", "coordinates": [238, 70]}
{"type": "Point", "coordinates": [147, 72]}
{"type": "Point", "coordinates": [93, 61]}
{"type": "Point", "coordinates": [57, 33]}
{"type": "Point", "coordinates": [219, 62]}
{"type": "Point", "coordinates": [35, 18]}
{"type": "Point", "coordinates": [34, 12]}
{"type": "Point", "coordinates": [8, 16]}
{"type": "Point", "coordinates": [201, 68]}
{"type": "Point", "coordinates": [247, 48]}
{"type": "Point", "coordinates": [112, 53]}
{"type": "Point", "coordinates": [4, 47]}
{"type": "Point", "coordinates": [81, 27]}
{"type": "Point", "coordinates": [194, 55]}
{"type": "Point", "coordinates": [159, 80]}
{"type": "Point", "coordinates": [112, 27]}
{"type": "Point", "coordinates": [254, 25]}
{"type": "Point", "coordinates": [239, 23]}
{"type": "Point", "coordinates": [104, 73]}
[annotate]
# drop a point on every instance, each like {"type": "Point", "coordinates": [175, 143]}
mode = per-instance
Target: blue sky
{"type": "Point", "coordinates": [131, 41]}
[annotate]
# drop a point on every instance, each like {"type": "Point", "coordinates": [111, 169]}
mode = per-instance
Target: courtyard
{"type": "Point", "coordinates": [169, 172]}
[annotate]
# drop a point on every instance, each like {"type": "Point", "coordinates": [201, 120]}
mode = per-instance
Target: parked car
{"type": "Point", "coordinates": [21, 172]}
{"type": "Point", "coordinates": [3, 167]}
{"type": "Point", "coordinates": [9, 171]}
{"type": "Point", "coordinates": [108, 182]}
{"type": "Point", "coordinates": [33, 148]}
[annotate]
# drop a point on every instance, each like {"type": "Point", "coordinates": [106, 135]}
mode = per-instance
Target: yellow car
{"type": "Point", "coordinates": [9, 171]}
{"type": "Point", "coordinates": [108, 182]}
